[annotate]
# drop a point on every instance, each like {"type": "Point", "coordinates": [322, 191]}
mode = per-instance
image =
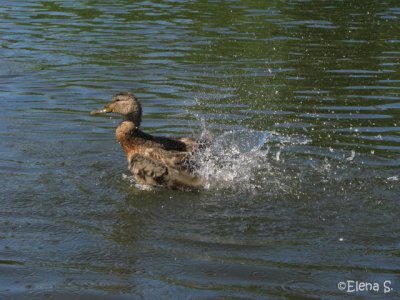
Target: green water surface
{"type": "Point", "coordinates": [316, 205]}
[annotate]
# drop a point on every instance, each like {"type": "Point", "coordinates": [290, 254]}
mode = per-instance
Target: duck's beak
{"type": "Point", "coordinates": [104, 110]}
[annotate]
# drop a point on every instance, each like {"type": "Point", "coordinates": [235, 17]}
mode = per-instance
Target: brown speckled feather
{"type": "Point", "coordinates": [158, 160]}
{"type": "Point", "coordinates": [152, 172]}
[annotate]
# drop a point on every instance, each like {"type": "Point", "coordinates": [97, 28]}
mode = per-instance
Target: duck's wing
{"type": "Point", "coordinates": [146, 140]}
{"type": "Point", "coordinates": [186, 144]}
{"type": "Point", "coordinates": [170, 143]}
{"type": "Point", "coordinates": [152, 172]}
{"type": "Point", "coordinates": [190, 143]}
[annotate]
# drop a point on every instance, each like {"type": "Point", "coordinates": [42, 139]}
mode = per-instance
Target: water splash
{"type": "Point", "coordinates": [243, 160]}
{"type": "Point", "coordinates": [138, 186]}
{"type": "Point", "coordinates": [234, 159]}
{"type": "Point", "coordinates": [352, 155]}
{"type": "Point", "coordinates": [393, 178]}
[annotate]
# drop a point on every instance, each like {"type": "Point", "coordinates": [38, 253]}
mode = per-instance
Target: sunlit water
{"type": "Point", "coordinates": [302, 99]}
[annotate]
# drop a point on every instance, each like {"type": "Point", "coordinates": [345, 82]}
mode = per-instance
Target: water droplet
{"type": "Point", "coordinates": [352, 155]}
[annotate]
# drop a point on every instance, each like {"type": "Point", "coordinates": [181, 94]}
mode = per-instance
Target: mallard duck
{"type": "Point", "coordinates": [155, 161]}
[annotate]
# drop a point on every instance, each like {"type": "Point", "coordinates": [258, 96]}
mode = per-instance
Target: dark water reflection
{"type": "Point", "coordinates": [318, 204]}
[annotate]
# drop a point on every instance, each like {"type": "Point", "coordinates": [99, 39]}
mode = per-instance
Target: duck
{"type": "Point", "coordinates": [153, 160]}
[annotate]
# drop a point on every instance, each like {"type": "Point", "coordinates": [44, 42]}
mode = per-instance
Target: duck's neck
{"type": "Point", "coordinates": [124, 132]}
{"type": "Point", "coordinates": [134, 117]}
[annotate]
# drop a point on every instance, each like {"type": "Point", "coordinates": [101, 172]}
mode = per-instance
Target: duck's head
{"type": "Point", "coordinates": [125, 104]}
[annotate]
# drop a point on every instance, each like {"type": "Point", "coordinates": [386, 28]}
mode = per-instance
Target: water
{"type": "Point", "coordinates": [303, 98]}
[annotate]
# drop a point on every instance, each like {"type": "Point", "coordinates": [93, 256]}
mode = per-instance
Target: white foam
{"type": "Point", "coordinates": [233, 158]}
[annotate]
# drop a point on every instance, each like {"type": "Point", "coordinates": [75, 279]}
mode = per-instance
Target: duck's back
{"type": "Point", "coordinates": [130, 136]}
